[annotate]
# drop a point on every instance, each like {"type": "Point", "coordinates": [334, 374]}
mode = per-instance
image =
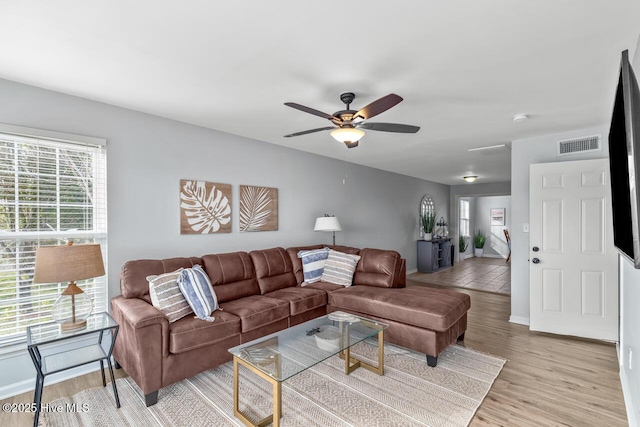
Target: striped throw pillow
{"type": "Point", "coordinates": [166, 295]}
{"type": "Point", "coordinates": [198, 291]}
{"type": "Point", "coordinates": [339, 268]}
{"type": "Point", "coordinates": [313, 264]}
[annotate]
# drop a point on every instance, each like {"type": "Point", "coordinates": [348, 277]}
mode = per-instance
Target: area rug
{"type": "Point", "coordinates": [409, 394]}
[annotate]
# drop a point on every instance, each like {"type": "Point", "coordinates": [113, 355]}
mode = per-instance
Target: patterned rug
{"type": "Point", "coordinates": [409, 394]}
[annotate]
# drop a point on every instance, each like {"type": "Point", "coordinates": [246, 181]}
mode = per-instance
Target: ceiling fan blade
{"type": "Point", "coordinates": [313, 111]}
{"type": "Point", "coordinates": [304, 132]}
{"type": "Point", "coordinates": [379, 106]}
{"type": "Point", "coordinates": [389, 127]}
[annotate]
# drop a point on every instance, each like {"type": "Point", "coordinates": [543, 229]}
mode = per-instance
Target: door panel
{"type": "Point", "coordinates": [592, 287]}
{"type": "Point", "coordinates": [574, 285]}
{"type": "Point", "coordinates": [552, 217]}
{"type": "Point", "coordinates": [552, 291]}
{"type": "Point", "coordinates": [592, 226]}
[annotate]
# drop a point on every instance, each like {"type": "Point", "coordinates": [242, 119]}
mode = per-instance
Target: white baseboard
{"type": "Point", "coordinates": [493, 256]}
{"type": "Point", "coordinates": [519, 320]}
{"type": "Point", "coordinates": [633, 413]}
{"type": "Point", "coordinates": [413, 270]}
{"type": "Point", "coordinates": [29, 385]}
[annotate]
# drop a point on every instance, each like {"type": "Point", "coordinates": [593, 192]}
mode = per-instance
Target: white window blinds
{"type": "Point", "coordinates": [50, 192]}
{"type": "Point", "coordinates": [464, 218]}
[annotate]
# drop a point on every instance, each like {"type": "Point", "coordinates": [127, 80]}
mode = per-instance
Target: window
{"type": "Point", "coordinates": [464, 218]}
{"type": "Point", "coordinates": [50, 192]}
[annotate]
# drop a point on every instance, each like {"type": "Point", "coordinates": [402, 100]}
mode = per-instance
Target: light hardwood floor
{"type": "Point", "coordinates": [548, 380]}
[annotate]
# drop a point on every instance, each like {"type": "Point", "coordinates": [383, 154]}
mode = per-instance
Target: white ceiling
{"type": "Point", "coordinates": [464, 68]}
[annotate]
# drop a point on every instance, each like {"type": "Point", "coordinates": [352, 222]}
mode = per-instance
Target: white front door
{"type": "Point", "coordinates": [573, 263]}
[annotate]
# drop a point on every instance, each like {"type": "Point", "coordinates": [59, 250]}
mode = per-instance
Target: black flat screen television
{"type": "Point", "coordinates": [624, 157]}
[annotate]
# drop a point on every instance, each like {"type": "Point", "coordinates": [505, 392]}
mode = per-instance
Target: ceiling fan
{"type": "Point", "coordinates": [348, 124]}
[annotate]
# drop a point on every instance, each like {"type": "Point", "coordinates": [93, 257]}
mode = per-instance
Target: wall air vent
{"type": "Point", "coordinates": [580, 145]}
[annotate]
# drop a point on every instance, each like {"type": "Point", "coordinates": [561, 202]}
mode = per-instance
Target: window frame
{"type": "Point", "coordinates": [465, 220]}
{"type": "Point", "coordinates": [15, 341]}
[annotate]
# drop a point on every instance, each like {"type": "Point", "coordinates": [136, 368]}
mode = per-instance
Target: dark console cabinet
{"type": "Point", "coordinates": [434, 255]}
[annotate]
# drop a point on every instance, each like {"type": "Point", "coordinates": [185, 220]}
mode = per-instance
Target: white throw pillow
{"type": "Point", "coordinates": [166, 295]}
{"type": "Point", "coordinates": [313, 264]}
{"type": "Point", "coordinates": [339, 268]}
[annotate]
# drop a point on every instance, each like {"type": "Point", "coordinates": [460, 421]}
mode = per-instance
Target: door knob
{"type": "Point", "coordinates": [536, 249]}
{"type": "Point", "coordinates": [535, 261]}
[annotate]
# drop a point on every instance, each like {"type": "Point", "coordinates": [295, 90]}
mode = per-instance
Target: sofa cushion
{"type": "Point", "coordinates": [133, 276]}
{"type": "Point", "coordinates": [190, 332]}
{"type": "Point", "coordinates": [300, 299]}
{"type": "Point", "coordinates": [167, 297]}
{"type": "Point", "coordinates": [313, 264]}
{"type": "Point", "coordinates": [297, 262]}
{"type": "Point", "coordinates": [274, 269]}
{"type": "Point", "coordinates": [324, 286]}
{"type": "Point", "coordinates": [428, 308]}
{"type": "Point", "coordinates": [232, 275]}
{"type": "Point", "coordinates": [345, 249]}
{"type": "Point", "coordinates": [378, 268]}
{"type": "Point", "coordinates": [339, 268]}
{"type": "Point", "coordinates": [197, 290]}
{"type": "Point", "coordinates": [257, 310]}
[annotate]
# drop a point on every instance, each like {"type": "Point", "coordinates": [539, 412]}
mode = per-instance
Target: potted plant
{"type": "Point", "coordinates": [428, 223]}
{"type": "Point", "coordinates": [478, 243]}
{"type": "Point", "coordinates": [462, 245]}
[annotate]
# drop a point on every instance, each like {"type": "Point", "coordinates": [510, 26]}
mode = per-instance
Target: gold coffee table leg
{"type": "Point", "coordinates": [346, 355]}
{"type": "Point", "coordinates": [277, 395]}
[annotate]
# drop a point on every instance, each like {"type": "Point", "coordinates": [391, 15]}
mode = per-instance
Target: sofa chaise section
{"type": "Point", "coordinates": [423, 319]}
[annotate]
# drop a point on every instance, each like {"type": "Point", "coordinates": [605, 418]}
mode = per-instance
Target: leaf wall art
{"type": "Point", "coordinates": [205, 207]}
{"type": "Point", "coordinates": [258, 208]}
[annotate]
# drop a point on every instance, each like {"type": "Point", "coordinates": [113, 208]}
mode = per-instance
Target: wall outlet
{"type": "Point", "coordinates": [525, 227]}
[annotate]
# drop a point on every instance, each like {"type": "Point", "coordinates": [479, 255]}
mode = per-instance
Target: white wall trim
{"type": "Point", "coordinates": [493, 256]}
{"type": "Point", "coordinates": [628, 401]}
{"type": "Point", "coordinates": [29, 385]}
{"type": "Point", "coordinates": [519, 320]}
{"type": "Point", "coordinates": [413, 270]}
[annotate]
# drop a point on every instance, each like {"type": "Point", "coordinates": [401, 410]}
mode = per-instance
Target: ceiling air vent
{"type": "Point", "coordinates": [580, 145]}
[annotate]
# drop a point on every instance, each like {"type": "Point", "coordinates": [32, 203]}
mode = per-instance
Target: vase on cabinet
{"type": "Point", "coordinates": [428, 237]}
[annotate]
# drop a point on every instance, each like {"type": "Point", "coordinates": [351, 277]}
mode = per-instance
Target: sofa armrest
{"type": "Point", "coordinates": [143, 341]}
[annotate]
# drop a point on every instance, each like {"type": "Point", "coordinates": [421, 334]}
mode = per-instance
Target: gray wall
{"type": "Point", "coordinates": [496, 244]}
{"type": "Point", "coordinates": [526, 152]}
{"type": "Point", "coordinates": [630, 321]}
{"type": "Point", "coordinates": [147, 156]}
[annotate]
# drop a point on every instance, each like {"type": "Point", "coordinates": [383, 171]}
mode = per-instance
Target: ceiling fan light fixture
{"type": "Point", "coordinates": [347, 135]}
{"type": "Point", "coordinates": [470, 178]}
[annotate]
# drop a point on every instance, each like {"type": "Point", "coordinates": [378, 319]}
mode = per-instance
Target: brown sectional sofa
{"type": "Point", "coordinates": [260, 293]}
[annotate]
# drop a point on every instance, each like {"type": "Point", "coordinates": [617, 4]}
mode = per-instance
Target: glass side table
{"type": "Point", "coordinates": [42, 336]}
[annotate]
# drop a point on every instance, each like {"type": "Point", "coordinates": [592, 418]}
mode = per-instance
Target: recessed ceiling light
{"type": "Point", "coordinates": [520, 118]}
{"type": "Point", "coordinates": [470, 178]}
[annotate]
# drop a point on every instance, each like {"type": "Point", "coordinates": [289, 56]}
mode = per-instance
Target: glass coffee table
{"type": "Point", "coordinates": [286, 353]}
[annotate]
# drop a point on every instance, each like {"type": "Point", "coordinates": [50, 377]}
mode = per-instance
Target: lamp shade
{"type": "Point", "coordinates": [327, 223]}
{"type": "Point", "coordinates": [68, 263]}
{"type": "Point", "coordinates": [346, 135]}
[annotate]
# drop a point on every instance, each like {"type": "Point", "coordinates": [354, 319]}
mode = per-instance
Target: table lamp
{"type": "Point", "coordinates": [328, 223]}
{"type": "Point", "coordinates": [68, 263]}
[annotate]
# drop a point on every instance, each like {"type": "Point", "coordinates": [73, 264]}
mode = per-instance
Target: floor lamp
{"type": "Point", "coordinates": [328, 223]}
